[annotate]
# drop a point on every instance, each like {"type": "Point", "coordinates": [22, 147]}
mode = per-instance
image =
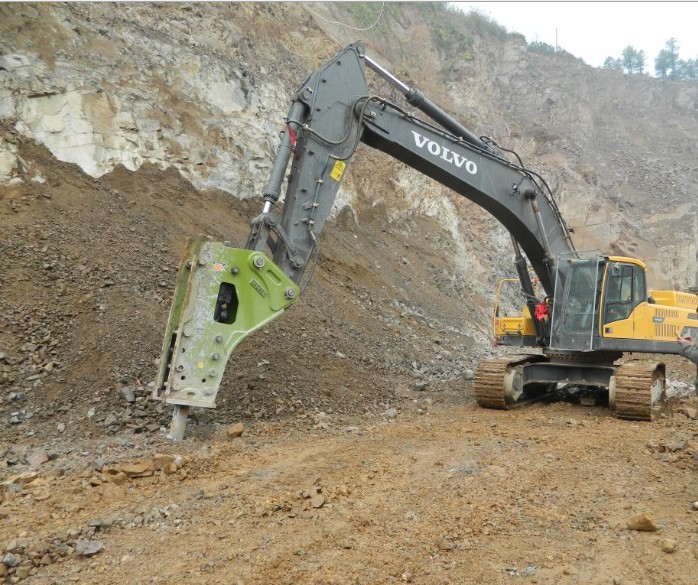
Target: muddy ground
{"type": "Point", "coordinates": [363, 457]}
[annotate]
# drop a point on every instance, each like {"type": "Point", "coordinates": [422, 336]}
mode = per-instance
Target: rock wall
{"type": "Point", "coordinates": [134, 98]}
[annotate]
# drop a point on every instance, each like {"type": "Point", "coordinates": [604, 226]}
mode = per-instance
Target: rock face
{"type": "Point", "coordinates": [118, 93]}
{"type": "Point", "coordinates": [204, 89]}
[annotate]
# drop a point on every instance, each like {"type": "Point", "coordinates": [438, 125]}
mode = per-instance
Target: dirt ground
{"type": "Point", "coordinates": [453, 494]}
{"type": "Point", "coordinates": [363, 457]}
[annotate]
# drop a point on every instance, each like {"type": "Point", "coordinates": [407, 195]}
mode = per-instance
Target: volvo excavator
{"type": "Point", "coordinates": [597, 307]}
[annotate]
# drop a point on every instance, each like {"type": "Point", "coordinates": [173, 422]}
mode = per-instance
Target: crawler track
{"type": "Point", "coordinates": [637, 388]}
{"type": "Point", "coordinates": [635, 393]}
{"type": "Point", "coordinates": [489, 381]}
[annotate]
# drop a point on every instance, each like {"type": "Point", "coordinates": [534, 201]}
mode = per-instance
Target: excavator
{"type": "Point", "coordinates": [596, 308]}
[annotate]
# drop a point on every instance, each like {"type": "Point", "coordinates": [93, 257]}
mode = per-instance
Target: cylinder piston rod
{"type": "Point", "coordinates": [417, 99]}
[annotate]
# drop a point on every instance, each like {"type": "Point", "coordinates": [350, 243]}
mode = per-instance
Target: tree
{"type": "Point", "coordinates": [687, 70]}
{"type": "Point", "coordinates": [665, 65]}
{"type": "Point", "coordinates": [633, 61]}
{"type": "Point", "coordinates": [611, 63]}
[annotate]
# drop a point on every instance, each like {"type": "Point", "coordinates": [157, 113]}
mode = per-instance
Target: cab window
{"type": "Point", "coordinates": [625, 289]}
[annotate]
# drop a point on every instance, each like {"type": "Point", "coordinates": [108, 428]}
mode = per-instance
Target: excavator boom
{"type": "Point", "coordinates": [333, 112]}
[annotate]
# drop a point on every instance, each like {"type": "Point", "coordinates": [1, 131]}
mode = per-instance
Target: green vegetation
{"type": "Point", "coordinates": [447, 26]}
{"type": "Point", "coordinates": [541, 47]}
{"type": "Point", "coordinates": [429, 9]}
{"type": "Point", "coordinates": [450, 28]}
{"type": "Point", "coordinates": [451, 39]}
{"type": "Point", "coordinates": [667, 64]}
{"type": "Point", "coordinates": [484, 24]}
{"type": "Point", "coordinates": [686, 70]}
{"type": "Point", "coordinates": [365, 14]}
{"type": "Point", "coordinates": [632, 62]}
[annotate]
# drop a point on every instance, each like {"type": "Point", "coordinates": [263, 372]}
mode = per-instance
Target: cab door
{"type": "Point", "coordinates": [575, 322]}
{"type": "Point", "coordinates": [624, 290]}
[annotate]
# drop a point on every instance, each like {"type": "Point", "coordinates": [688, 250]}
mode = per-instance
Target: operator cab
{"type": "Point", "coordinates": [598, 296]}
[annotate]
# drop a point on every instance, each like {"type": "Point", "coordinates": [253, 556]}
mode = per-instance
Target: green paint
{"type": "Point", "coordinates": [197, 345]}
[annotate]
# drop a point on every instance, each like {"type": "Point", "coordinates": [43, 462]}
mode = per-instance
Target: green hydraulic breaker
{"type": "Point", "coordinates": [222, 295]}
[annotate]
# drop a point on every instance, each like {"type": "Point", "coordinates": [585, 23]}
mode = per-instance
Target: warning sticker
{"type": "Point", "coordinates": [338, 169]}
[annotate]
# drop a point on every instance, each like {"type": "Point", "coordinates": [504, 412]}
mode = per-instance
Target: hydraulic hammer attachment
{"type": "Point", "coordinates": [222, 295]}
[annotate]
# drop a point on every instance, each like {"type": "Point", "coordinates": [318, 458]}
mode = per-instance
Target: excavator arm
{"type": "Point", "coordinates": [223, 294]}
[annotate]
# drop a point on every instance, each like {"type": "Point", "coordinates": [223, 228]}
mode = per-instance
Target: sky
{"type": "Point", "coordinates": [596, 30]}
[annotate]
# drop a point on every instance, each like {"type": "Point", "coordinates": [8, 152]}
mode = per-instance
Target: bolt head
{"type": "Point", "coordinates": [219, 339]}
{"type": "Point", "coordinates": [258, 261]}
{"type": "Point", "coordinates": [290, 292]}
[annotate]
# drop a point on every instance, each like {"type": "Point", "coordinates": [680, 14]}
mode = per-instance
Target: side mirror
{"type": "Point", "coordinates": [651, 301]}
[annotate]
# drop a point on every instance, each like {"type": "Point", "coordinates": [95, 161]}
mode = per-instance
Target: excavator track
{"type": "Point", "coordinates": [636, 389]}
{"type": "Point", "coordinates": [491, 387]}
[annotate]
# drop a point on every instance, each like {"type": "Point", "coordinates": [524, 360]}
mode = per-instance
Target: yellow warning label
{"type": "Point", "coordinates": [338, 169]}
